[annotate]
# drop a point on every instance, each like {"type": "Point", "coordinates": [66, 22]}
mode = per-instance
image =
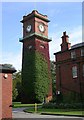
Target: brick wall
{"type": "Point", "coordinates": [6, 96]}
{"type": "Point", "coordinates": [0, 96]}
{"type": "Point", "coordinates": [64, 79]}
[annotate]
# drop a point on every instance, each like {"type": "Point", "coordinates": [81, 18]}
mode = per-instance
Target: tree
{"type": "Point", "coordinates": [53, 75]}
{"type": "Point", "coordinates": [17, 86]}
{"type": "Point", "coordinates": [14, 91]}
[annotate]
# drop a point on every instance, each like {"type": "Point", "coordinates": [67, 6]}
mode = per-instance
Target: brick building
{"type": "Point", "coordinates": [6, 91]}
{"type": "Point", "coordinates": [70, 69]}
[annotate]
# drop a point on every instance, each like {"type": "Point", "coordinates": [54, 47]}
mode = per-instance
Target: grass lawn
{"type": "Point", "coordinates": [18, 105]}
{"type": "Point", "coordinates": [31, 108]}
{"type": "Point", "coordinates": [57, 111]}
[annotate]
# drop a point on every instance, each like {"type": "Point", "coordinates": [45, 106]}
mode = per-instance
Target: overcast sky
{"type": "Point", "coordinates": [63, 16]}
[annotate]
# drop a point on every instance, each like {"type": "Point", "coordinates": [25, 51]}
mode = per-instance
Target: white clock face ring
{"type": "Point", "coordinates": [28, 28]}
{"type": "Point", "coordinates": [41, 28]}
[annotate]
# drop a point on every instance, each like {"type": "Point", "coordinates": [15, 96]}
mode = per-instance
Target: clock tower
{"type": "Point", "coordinates": [36, 76]}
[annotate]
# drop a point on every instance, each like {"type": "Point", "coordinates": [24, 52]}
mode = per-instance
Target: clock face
{"type": "Point", "coordinates": [41, 28]}
{"type": "Point", "coordinates": [28, 28]}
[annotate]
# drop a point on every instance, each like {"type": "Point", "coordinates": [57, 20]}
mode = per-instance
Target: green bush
{"type": "Point", "coordinates": [63, 106]}
{"type": "Point", "coordinates": [49, 105]}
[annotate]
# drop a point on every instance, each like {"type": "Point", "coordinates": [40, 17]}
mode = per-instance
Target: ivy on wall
{"type": "Point", "coordinates": [42, 77]}
{"type": "Point", "coordinates": [35, 77]}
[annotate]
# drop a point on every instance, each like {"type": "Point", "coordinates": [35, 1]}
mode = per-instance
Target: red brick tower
{"type": "Point", "coordinates": [35, 40]}
{"type": "Point", "coordinates": [6, 91]}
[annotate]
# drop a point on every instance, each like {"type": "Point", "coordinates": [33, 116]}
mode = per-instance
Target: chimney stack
{"type": "Point", "coordinates": [65, 42]}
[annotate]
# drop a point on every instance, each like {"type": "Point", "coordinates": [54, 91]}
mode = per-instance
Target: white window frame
{"type": "Point", "coordinates": [74, 71]}
{"type": "Point", "coordinates": [82, 52]}
{"type": "Point", "coordinates": [73, 54]}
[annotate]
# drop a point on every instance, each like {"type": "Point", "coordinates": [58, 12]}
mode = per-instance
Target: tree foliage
{"type": "Point", "coordinates": [17, 86]}
{"type": "Point", "coordinates": [14, 92]}
{"type": "Point", "coordinates": [53, 75]}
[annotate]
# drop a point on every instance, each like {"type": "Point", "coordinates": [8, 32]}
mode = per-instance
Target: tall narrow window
{"type": "Point", "coordinates": [73, 55]}
{"type": "Point", "coordinates": [74, 71]}
{"type": "Point", "coordinates": [83, 70]}
{"type": "Point", "coordinates": [82, 52]}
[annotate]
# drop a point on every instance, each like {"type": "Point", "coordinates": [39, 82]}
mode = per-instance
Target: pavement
{"type": "Point", "coordinates": [19, 113]}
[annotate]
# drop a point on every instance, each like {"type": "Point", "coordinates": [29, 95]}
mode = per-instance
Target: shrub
{"type": "Point", "coordinates": [63, 106]}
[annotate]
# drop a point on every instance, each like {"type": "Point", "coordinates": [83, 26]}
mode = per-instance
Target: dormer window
{"type": "Point", "coordinates": [73, 55]}
{"type": "Point", "coordinates": [82, 52]}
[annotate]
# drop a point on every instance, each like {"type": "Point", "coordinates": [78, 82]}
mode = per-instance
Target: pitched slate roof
{"type": "Point", "coordinates": [77, 45]}
{"type": "Point", "coordinates": [5, 68]}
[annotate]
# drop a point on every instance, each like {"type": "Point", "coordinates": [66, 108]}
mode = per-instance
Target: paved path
{"type": "Point", "coordinates": [18, 113]}
{"type": "Point", "coordinates": [18, 109]}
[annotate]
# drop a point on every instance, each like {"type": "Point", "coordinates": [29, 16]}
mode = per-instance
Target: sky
{"type": "Point", "coordinates": [63, 16]}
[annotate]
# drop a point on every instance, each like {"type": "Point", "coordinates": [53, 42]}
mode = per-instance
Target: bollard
{"type": "Point", "coordinates": [35, 107]}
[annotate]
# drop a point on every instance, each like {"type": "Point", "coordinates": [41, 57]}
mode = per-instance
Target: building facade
{"type": "Point", "coordinates": [35, 50]}
{"type": "Point", "coordinates": [70, 70]}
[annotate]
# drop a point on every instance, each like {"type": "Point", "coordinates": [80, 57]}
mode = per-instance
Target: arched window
{"type": "Point", "coordinates": [42, 46]}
